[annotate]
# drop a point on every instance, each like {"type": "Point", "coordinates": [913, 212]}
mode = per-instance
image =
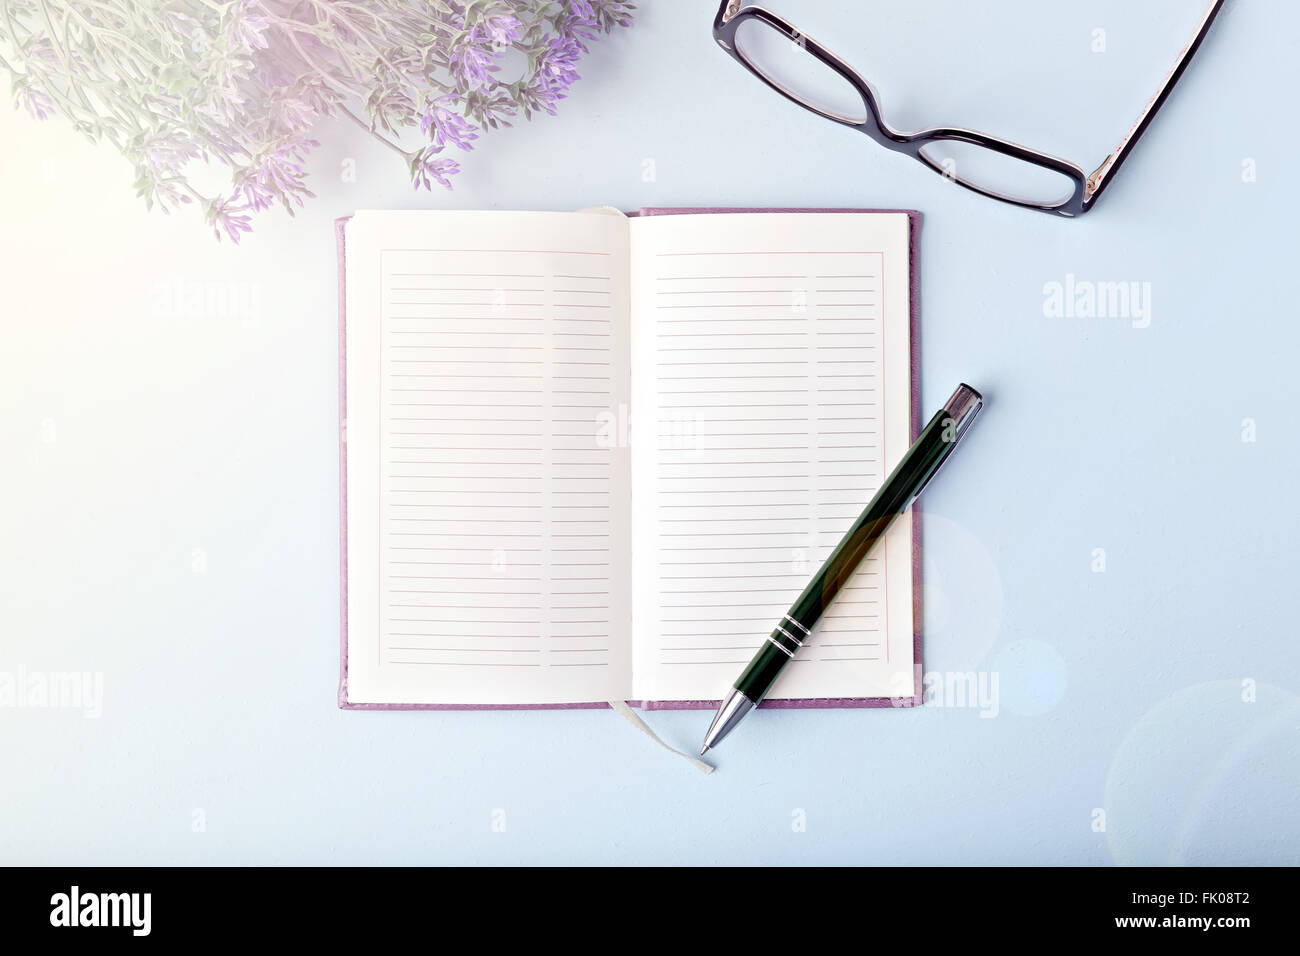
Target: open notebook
{"type": "Point", "coordinates": [593, 457]}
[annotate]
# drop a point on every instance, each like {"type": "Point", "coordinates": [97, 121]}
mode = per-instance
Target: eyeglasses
{"type": "Point", "coordinates": [807, 73]}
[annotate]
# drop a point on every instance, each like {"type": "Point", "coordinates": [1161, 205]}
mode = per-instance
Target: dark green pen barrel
{"type": "Point", "coordinates": [917, 467]}
{"type": "Point", "coordinates": [761, 672]}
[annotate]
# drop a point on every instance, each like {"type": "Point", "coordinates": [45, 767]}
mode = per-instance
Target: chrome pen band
{"type": "Point", "coordinates": [789, 635]}
{"type": "Point", "coordinates": [797, 624]}
{"type": "Point", "coordinates": [786, 639]}
{"type": "Point", "coordinates": [775, 643]}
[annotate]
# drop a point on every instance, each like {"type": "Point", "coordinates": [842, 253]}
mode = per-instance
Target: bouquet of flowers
{"type": "Point", "coordinates": [242, 82]}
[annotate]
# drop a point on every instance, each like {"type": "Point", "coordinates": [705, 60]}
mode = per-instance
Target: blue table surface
{"type": "Point", "coordinates": [1114, 545]}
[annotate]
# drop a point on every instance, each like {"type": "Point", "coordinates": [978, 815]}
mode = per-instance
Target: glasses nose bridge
{"type": "Point", "coordinates": [873, 103]}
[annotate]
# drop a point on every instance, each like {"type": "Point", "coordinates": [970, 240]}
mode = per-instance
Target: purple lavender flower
{"type": "Point", "coordinates": [242, 83]}
{"type": "Point", "coordinates": [178, 22]}
{"type": "Point", "coordinates": [612, 13]}
{"type": "Point", "coordinates": [471, 60]}
{"type": "Point", "coordinates": [577, 28]}
{"type": "Point", "coordinates": [443, 125]}
{"type": "Point", "coordinates": [536, 96]}
{"type": "Point", "coordinates": [41, 51]}
{"type": "Point", "coordinates": [245, 31]}
{"type": "Point", "coordinates": [38, 105]}
{"type": "Point", "coordinates": [276, 174]}
{"type": "Point", "coordinates": [427, 168]}
{"type": "Point", "coordinates": [557, 67]}
{"type": "Point", "coordinates": [492, 108]}
{"type": "Point", "coordinates": [164, 151]}
{"type": "Point", "coordinates": [257, 194]}
{"type": "Point", "coordinates": [500, 30]}
{"type": "Point", "coordinates": [295, 110]}
{"type": "Point", "coordinates": [222, 215]}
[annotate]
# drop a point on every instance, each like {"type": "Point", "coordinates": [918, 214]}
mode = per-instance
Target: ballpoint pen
{"type": "Point", "coordinates": [931, 449]}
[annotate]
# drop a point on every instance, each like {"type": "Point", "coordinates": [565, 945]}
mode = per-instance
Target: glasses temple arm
{"type": "Point", "coordinates": [1102, 175]}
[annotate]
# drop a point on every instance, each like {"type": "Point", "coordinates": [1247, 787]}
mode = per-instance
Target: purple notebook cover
{"type": "Point", "coordinates": [915, 371]}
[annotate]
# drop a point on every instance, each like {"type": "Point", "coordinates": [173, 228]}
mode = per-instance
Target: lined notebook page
{"type": "Point", "coordinates": [772, 393]}
{"type": "Point", "coordinates": [488, 484]}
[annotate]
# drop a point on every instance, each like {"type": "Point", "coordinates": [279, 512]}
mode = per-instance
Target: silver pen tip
{"type": "Point", "coordinates": [736, 706]}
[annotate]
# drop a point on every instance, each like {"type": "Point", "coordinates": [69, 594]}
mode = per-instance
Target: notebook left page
{"type": "Point", "coordinates": [488, 485]}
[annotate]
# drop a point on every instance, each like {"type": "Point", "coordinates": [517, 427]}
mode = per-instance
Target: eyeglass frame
{"type": "Point", "coordinates": [1087, 188]}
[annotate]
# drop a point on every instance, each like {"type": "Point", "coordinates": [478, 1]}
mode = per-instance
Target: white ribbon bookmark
{"type": "Point", "coordinates": [621, 708]}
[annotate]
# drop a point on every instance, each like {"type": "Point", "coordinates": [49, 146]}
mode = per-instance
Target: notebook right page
{"type": "Point", "coordinates": [771, 395]}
